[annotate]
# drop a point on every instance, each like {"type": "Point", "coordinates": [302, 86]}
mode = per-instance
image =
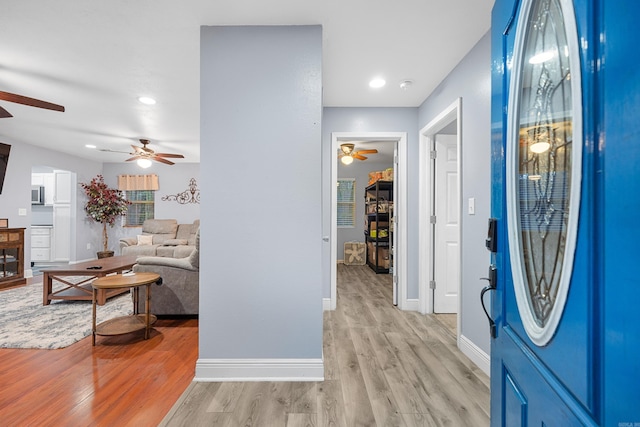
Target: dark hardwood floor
{"type": "Point", "coordinates": [122, 381]}
{"type": "Point", "coordinates": [383, 367]}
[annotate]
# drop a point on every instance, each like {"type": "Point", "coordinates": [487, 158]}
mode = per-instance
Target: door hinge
{"type": "Point", "coordinates": [432, 219]}
{"type": "Point", "coordinates": [395, 159]}
{"type": "Point", "coordinates": [432, 284]}
{"type": "Point", "coordinates": [395, 279]}
{"type": "Point", "coordinates": [433, 154]}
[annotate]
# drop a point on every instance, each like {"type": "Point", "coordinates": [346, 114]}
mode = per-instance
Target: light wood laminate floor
{"type": "Point", "coordinates": [383, 367]}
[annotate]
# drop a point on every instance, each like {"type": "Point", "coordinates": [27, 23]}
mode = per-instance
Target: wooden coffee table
{"type": "Point", "coordinates": [82, 290]}
{"type": "Point", "coordinates": [125, 324]}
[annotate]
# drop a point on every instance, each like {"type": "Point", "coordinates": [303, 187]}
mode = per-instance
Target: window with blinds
{"type": "Point", "coordinates": [141, 207]}
{"type": "Point", "coordinates": [346, 203]}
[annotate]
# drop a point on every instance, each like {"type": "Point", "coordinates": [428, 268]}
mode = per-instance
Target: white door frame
{"type": "Point", "coordinates": [400, 203]}
{"type": "Point", "coordinates": [427, 139]}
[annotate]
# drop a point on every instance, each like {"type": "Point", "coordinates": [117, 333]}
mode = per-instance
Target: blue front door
{"type": "Point", "coordinates": [565, 197]}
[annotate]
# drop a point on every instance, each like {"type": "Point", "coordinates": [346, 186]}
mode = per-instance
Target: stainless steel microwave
{"type": "Point", "coordinates": [37, 195]}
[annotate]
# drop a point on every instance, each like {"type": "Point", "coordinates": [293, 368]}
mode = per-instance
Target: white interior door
{"type": "Point", "coordinates": [447, 224]}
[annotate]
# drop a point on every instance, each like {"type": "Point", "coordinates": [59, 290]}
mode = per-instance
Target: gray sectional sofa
{"type": "Point", "coordinates": [168, 239]}
{"type": "Point", "coordinates": [180, 289]}
{"type": "Point", "coordinates": [171, 250]}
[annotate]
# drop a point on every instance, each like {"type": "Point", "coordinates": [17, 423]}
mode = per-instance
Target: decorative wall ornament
{"type": "Point", "coordinates": [191, 195]}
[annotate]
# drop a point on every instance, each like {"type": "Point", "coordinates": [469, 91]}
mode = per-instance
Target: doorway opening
{"type": "Point", "coordinates": [440, 288]}
{"type": "Point", "coordinates": [51, 218]}
{"type": "Point", "coordinates": [399, 139]}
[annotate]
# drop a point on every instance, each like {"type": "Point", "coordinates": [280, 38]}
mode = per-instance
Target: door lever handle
{"type": "Point", "coordinates": [490, 287]}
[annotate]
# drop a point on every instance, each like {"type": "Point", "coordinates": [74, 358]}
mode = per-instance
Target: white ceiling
{"type": "Point", "coordinates": [96, 57]}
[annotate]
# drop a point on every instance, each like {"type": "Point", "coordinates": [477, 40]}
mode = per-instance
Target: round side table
{"type": "Point", "coordinates": [126, 324]}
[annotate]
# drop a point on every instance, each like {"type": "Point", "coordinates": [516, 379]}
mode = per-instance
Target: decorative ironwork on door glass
{"type": "Point", "coordinates": [544, 163]}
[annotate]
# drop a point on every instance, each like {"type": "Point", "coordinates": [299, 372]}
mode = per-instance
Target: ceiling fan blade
{"type": "Point", "coordinates": [161, 160]}
{"type": "Point", "coordinates": [359, 157]}
{"type": "Point", "coordinates": [374, 151]}
{"type": "Point", "coordinates": [4, 113]}
{"type": "Point", "coordinates": [112, 151]}
{"type": "Point", "coordinates": [135, 158]}
{"type": "Point", "coordinates": [139, 150]}
{"type": "Point", "coordinates": [32, 102]}
{"type": "Point", "coordinates": [174, 156]}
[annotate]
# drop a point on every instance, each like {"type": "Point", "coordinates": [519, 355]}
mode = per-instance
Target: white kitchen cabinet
{"type": "Point", "coordinates": [62, 183]}
{"type": "Point", "coordinates": [61, 236]}
{"type": "Point", "coordinates": [40, 244]}
{"type": "Point", "coordinates": [49, 188]}
{"type": "Point", "coordinates": [37, 179]}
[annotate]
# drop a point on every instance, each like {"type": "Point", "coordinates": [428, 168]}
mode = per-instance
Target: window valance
{"type": "Point", "coordinates": [138, 182]}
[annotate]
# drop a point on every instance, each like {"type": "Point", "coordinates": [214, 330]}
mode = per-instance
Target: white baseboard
{"type": "Point", "coordinates": [326, 304]}
{"type": "Point", "coordinates": [28, 273]}
{"type": "Point", "coordinates": [212, 370]}
{"type": "Point", "coordinates": [411, 305]}
{"type": "Point", "coordinates": [475, 353]}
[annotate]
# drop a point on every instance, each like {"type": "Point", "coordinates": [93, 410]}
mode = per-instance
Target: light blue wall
{"type": "Point", "coordinates": [261, 107]}
{"type": "Point", "coordinates": [17, 189]}
{"type": "Point", "coordinates": [471, 80]}
{"type": "Point", "coordinates": [342, 119]}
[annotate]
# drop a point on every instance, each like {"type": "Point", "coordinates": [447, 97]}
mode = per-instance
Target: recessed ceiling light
{"type": "Point", "coordinates": [90, 146]}
{"type": "Point", "coordinates": [377, 83]}
{"type": "Point", "coordinates": [147, 100]}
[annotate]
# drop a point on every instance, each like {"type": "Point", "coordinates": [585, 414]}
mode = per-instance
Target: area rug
{"type": "Point", "coordinates": [26, 323]}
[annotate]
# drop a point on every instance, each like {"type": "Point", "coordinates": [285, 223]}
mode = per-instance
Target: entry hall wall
{"type": "Point", "coordinates": [471, 80]}
{"type": "Point", "coordinates": [260, 276]}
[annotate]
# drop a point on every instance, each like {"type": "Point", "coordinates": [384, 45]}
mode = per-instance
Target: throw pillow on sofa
{"type": "Point", "coordinates": [144, 239]}
{"type": "Point", "coordinates": [174, 242]}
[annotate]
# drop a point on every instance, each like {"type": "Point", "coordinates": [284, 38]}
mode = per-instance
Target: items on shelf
{"type": "Point", "coordinates": [385, 175]}
{"type": "Point", "coordinates": [378, 225]}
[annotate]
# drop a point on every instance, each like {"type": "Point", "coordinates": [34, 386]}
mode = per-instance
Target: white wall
{"type": "Point", "coordinates": [260, 289]}
{"type": "Point", "coordinates": [471, 80]}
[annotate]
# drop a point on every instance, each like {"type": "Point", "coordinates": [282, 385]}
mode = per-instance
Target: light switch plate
{"type": "Point", "coordinates": [22, 212]}
{"type": "Point", "coordinates": [472, 205]}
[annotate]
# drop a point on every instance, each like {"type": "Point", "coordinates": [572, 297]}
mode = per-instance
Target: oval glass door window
{"type": "Point", "coordinates": [544, 155]}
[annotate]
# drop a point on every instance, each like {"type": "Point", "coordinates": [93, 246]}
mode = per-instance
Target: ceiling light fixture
{"type": "Point", "coordinates": [346, 160]}
{"type": "Point", "coordinates": [143, 163]}
{"type": "Point", "coordinates": [539, 147]}
{"type": "Point", "coordinates": [147, 100]}
{"type": "Point", "coordinates": [377, 83]}
{"type": "Point", "coordinates": [90, 146]}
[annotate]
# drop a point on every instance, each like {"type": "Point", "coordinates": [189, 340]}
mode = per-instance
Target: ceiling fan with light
{"type": "Point", "coordinates": [144, 155]}
{"type": "Point", "coordinates": [348, 153]}
{"type": "Point", "coordinates": [25, 100]}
